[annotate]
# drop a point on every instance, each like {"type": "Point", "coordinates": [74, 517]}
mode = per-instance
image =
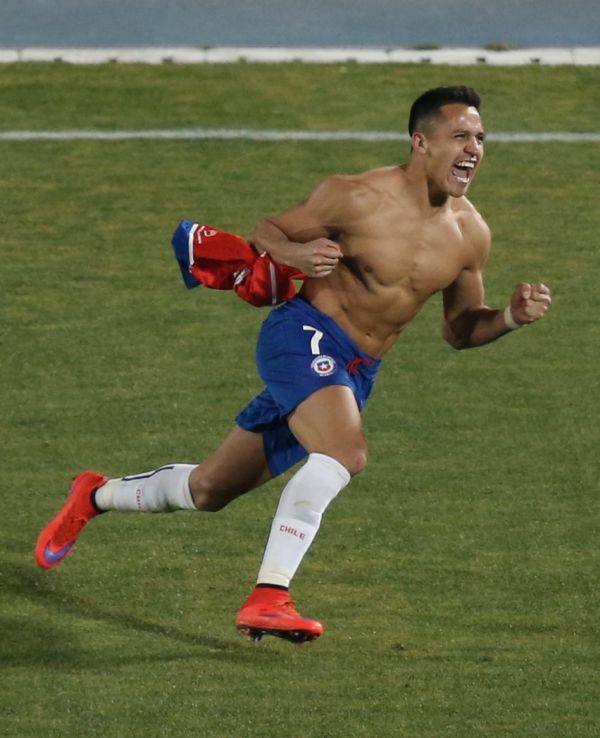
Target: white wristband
{"type": "Point", "coordinates": [511, 323]}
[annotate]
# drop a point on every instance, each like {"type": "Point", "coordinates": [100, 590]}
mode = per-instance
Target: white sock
{"type": "Point", "coordinates": [162, 490]}
{"type": "Point", "coordinates": [301, 506]}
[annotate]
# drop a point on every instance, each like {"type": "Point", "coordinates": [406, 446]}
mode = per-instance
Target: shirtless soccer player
{"type": "Point", "coordinates": [375, 247]}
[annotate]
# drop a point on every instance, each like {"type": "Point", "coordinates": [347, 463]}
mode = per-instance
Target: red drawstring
{"type": "Point", "coordinates": [353, 366]}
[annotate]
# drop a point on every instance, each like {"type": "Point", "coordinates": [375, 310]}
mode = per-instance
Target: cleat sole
{"type": "Point", "coordinates": [293, 636]}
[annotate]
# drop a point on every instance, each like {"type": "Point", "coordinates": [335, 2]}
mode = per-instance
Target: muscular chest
{"type": "Point", "coordinates": [391, 250]}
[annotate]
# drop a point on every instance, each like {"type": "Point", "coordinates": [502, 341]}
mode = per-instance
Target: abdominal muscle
{"type": "Point", "coordinates": [372, 315]}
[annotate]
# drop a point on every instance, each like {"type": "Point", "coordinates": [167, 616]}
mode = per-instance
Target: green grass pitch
{"type": "Point", "coordinates": [457, 578]}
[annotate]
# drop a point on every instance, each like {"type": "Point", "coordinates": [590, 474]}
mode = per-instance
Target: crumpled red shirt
{"type": "Point", "coordinates": [226, 261]}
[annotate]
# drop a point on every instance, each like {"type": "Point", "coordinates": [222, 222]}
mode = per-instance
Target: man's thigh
{"type": "Point", "coordinates": [329, 422]}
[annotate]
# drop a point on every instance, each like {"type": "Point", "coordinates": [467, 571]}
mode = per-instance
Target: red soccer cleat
{"type": "Point", "coordinates": [271, 611]}
{"type": "Point", "coordinates": [58, 538]}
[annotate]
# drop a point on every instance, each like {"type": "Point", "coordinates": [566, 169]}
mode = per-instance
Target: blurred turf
{"type": "Point", "coordinates": [348, 96]}
{"type": "Point", "coordinates": [457, 578]}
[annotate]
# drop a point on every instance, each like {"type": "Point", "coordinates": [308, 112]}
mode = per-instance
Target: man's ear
{"type": "Point", "coordinates": [419, 143]}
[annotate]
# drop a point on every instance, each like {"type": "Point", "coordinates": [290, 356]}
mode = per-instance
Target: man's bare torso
{"type": "Point", "coordinates": [395, 257]}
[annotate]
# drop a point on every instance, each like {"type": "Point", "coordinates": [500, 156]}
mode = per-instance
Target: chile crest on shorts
{"type": "Point", "coordinates": [323, 365]}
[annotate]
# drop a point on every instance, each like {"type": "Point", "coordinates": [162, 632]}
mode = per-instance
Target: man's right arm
{"type": "Point", "coordinates": [302, 237]}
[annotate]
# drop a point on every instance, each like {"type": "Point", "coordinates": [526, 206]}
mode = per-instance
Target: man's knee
{"type": "Point", "coordinates": [353, 458]}
{"type": "Point", "coordinates": [205, 491]}
{"type": "Point", "coordinates": [213, 487]}
{"type": "Point", "coordinates": [236, 467]}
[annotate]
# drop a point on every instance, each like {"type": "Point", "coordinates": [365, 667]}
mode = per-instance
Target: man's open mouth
{"type": "Point", "coordinates": [463, 171]}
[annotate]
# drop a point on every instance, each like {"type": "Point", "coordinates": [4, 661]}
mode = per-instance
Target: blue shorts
{"type": "Point", "coordinates": [300, 350]}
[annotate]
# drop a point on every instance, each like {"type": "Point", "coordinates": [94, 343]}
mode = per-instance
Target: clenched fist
{"type": "Point", "coordinates": [317, 258]}
{"type": "Point", "coordinates": [529, 302]}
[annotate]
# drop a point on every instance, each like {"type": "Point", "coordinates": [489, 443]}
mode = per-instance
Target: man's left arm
{"type": "Point", "coordinates": [468, 322]}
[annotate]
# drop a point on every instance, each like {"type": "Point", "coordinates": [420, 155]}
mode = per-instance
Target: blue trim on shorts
{"type": "Point", "coordinates": [299, 351]}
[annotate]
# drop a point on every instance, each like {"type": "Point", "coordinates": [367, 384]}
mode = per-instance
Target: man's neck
{"type": "Point", "coordinates": [428, 198]}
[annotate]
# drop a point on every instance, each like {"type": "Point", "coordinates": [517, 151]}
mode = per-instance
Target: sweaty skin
{"type": "Point", "coordinates": [376, 246]}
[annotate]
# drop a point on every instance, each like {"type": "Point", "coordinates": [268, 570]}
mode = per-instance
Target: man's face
{"type": "Point", "coordinates": [454, 148]}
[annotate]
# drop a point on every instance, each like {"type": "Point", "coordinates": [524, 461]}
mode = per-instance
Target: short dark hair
{"type": "Point", "coordinates": [430, 102]}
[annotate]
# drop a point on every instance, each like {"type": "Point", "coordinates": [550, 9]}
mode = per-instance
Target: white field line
{"type": "Point", "coordinates": [250, 134]}
{"type": "Point", "coordinates": [329, 55]}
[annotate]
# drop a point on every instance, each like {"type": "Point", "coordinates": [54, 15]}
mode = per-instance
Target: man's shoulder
{"type": "Point", "coordinates": [465, 206]}
{"type": "Point", "coordinates": [468, 215]}
{"type": "Point", "coordinates": [374, 178]}
{"type": "Point", "coordinates": [353, 192]}
{"type": "Point", "coordinates": [474, 229]}
{"type": "Point", "coordinates": [366, 185]}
